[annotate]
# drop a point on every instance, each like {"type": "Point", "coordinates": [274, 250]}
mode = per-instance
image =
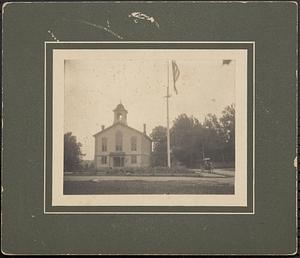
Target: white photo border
{"type": "Point", "coordinates": [58, 199]}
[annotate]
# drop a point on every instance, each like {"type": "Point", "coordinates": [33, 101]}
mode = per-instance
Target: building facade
{"type": "Point", "coordinates": [120, 145]}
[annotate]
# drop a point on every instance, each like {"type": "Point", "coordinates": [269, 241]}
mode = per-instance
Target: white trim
{"type": "Point", "coordinates": [253, 129]}
{"type": "Point", "coordinates": [140, 212]}
{"type": "Point", "coordinates": [45, 120]}
{"type": "Point", "coordinates": [168, 42]}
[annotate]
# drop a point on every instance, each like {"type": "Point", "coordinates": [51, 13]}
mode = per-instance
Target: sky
{"type": "Point", "coordinates": [94, 87]}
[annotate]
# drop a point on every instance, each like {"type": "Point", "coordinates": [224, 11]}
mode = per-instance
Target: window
{"type": "Point", "coordinates": [119, 116]}
{"type": "Point", "coordinates": [133, 159]}
{"type": "Point", "coordinates": [119, 141]}
{"type": "Point", "coordinates": [103, 159]}
{"type": "Point", "coordinates": [133, 143]}
{"type": "Point", "coordinates": [104, 144]}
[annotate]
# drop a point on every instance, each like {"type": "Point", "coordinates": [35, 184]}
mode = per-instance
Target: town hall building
{"type": "Point", "coordinates": [120, 145]}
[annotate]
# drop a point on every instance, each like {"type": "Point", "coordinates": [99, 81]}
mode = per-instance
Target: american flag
{"type": "Point", "coordinates": [176, 74]}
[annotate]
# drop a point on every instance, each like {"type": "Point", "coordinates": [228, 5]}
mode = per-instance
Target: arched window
{"type": "Point", "coordinates": [119, 141]}
{"type": "Point", "coordinates": [119, 116]}
{"type": "Point", "coordinates": [133, 143]}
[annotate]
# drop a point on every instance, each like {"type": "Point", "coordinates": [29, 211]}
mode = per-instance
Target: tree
{"type": "Point", "coordinates": [159, 138]}
{"type": "Point", "coordinates": [72, 153]}
{"type": "Point", "coordinates": [227, 122]}
{"type": "Point", "coordinates": [191, 141]}
{"type": "Point", "coordinates": [213, 143]}
{"type": "Point", "coordinates": [187, 140]}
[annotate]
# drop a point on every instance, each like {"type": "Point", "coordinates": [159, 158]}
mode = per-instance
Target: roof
{"type": "Point", "coordinates": [120, 107]}
{"type": "Point", "coordinates": [106, 129]}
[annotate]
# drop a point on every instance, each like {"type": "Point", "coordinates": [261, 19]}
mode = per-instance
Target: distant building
{"type": "Point", "coordinates": [120, 145]}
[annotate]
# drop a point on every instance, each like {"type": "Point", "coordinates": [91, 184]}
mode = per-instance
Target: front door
{"type": "Point", "coordinates": [118, 161]}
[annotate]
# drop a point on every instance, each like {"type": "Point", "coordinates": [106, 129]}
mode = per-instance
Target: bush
{"type": "Point", "coordinates": [178, 170]}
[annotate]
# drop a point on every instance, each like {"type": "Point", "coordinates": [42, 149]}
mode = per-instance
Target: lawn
{"type": "Point", "coordinates": [148, 185]}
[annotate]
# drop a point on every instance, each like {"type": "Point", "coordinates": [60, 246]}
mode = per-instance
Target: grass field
{"type": "Point", "coordinates": [148, 185]}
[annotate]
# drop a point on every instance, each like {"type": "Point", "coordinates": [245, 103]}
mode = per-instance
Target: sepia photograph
{"type": "Point", "coordinates": [149, 128]}
{"type": "Point", "coordinates": [151, 123]}
{"type": "Point", "coordinates": [160, 127]}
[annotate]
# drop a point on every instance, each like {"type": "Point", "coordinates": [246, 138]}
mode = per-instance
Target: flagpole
{"type": "Point", "coordinates": [168, 129]}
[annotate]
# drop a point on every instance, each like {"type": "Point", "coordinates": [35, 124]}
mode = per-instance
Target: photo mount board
{"type": "Point", "coordinates": [26, 229]}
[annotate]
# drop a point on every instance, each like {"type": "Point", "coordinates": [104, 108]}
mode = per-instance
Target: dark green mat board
{"type": "Point", "coordinates": [33, 31]}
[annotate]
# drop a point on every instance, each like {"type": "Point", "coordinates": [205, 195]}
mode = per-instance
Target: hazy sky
{"type": "Point", "coordinates": [93, 88]}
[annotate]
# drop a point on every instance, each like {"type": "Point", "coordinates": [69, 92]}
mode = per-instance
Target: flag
{"type": "Point", "coordinates": [226, 61]}
{"type": "Point", "coordinates": [176, 73]}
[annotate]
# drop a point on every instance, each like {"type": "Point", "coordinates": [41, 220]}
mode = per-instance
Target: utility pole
{"type": "Point", "coordinates": [168, 126]}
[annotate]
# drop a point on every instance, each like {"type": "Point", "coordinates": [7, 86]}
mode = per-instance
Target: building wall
{"type": "Point", "coordinates": [142, 152]}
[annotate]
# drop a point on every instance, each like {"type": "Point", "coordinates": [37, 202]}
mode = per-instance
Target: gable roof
{"type": "Point", "coordinates": [135, 130]}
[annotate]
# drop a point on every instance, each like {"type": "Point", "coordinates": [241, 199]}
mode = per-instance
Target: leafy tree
{"type": "Point", "coordinates": [72, 153]}
{"type": "Point", "coordinates": [227, 122]}
{"type": "Point", "coordinates": [191, 140]}
{"type": "Point", "coordinates": [213, 138]}
{"type": "Point", "coordinates": [187, 140]}
{"type": "Point", "coordinates": [159, 138]}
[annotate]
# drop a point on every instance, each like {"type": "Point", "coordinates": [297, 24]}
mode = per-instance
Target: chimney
{"type": "Point", "coordinates": [144, 128]}
{"type": "Point", "coordinates": [102, 127]}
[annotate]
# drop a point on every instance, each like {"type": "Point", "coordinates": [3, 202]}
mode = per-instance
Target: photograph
{"type": "Point", "coordinates": [149, 122]}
